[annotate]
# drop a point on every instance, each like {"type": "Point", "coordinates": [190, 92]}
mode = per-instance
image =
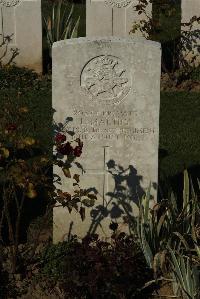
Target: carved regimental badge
{"type": "Point", "coordinates": [105, 79]}
{"type": "Point", "coordinates": [9, 3]}
{"type": "Point", "coordinates": [118, 3]}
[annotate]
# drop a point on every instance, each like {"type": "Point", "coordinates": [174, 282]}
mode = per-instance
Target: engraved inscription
{"type": "Point", "coordinates": [109, 125]}
{"type": "Point", "coordinates": [118, 3]}
{"type": "Point", "coordinates": [94, 134]}
{"type": "Point", "coordinates": [105, 79]}
{"type": "Point", "coordinates": [9, 3]}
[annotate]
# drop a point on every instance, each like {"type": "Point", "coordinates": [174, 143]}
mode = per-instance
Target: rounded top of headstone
{"type": "Point", "coordinates": [9, 3]}
{"type": "Point", "coordinates": [103, 40]}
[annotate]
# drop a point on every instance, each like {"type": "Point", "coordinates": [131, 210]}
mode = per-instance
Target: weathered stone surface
{"type": "Point", "coordinates": [190, 9]}
{"type": "Point", "coordinates": [21, 19]}
{"type": "Point", "coordinates": [111, 88]}
{"type": "Point", "coordinates": [112, 17]}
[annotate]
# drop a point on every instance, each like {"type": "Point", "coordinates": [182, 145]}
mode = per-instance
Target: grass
{"type": "Point", "coordinates": [179, 131]}
{"type": "Point", "coordinates": [179, 118]}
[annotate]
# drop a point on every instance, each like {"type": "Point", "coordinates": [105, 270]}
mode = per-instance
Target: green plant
{"type": "Point", "coordinates": [25, 173]}
{"type": "Point", "coordinates": [53, 258]}
{"type": "Point", "coordinates": [185, 274]}
{"type": "Point", "coordinates": [19, 79]}
{"type": "Point", "coordinates": [167, 230]}
{"type": "Point", "coordinates": [21, 173]}
{"type": "Point", "coordinates": [147, 230]}
{"type": "Point", "coordinates": [167, 224]}
{"type": "Point", "coordinates": [61, 24]}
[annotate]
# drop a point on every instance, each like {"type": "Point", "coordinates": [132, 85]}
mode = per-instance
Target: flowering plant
{"type": "Point", "coordinates": [65, 154]}
{"type": "Point", "coordinates": [26, 173]}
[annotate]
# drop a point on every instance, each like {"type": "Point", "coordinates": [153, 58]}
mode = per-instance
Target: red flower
{"type": "Point", "coordinates": [11, 127]}
{"type": "Point", "coordinates": [80, 143]}
{"type": "Point", "coordinates": [78, 151]}
{"type": "Point", "coordinates": [60, 138]}
{"type": "Point", "coordinates": [65, 149]}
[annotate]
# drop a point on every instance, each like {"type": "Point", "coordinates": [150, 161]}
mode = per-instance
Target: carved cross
{"type": "Point", "coordinates": [103, 171]}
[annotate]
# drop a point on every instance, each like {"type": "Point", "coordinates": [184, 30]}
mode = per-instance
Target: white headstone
{"type": "Point", "coordinates": [112, 17]}
{"type": "Point", "coordinates": [111, 88]}
{"type": "Point", "coordinates": [21, 19]}
{"type": "Point", "coordinates": [190, 9]}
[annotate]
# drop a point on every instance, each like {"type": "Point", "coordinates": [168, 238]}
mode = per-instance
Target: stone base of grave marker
{"type": "Point", "coordinates": [112, 17]}
{"type": "Point", "coordinates": [111, 89]}
{"type": "Point", "coordinates": [189, 9]}
{"type": "Point", "coordinates": [21, 20]}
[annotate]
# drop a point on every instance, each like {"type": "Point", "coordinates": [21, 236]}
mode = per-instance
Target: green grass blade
{"type": "Point", "coordinates": [70, 14]}
{"type": "Point", "coordinates": [173, 201]}
{"type": "Point", "coordinates": [75, 29]}
{"type": "Point", "coordinates": [186, 191]}
{"type": "Point", "coordinates": [198, 182]}
{"type": "Point", "coordinates": [63, 16]}
{"type": "Point", "coordinates": [189, 280]}
{"type": "Point", "coordinates": [176, 267]}
{"type": "Point", "coordinates": [146, 248]}
{"type": "Point", "coordinates": [68, 25]}
{"type": "Point", "coordinates": [182, 239]}
{"type": "Point", "coordinates": [183, 266]}
{"type": "Point", "coordinates": [53, 23]}
{"type": "Point", "coordinates": [161, 223]}
{"type": "Point", "coordinates": [58, 20]}
{"type": "Point", "coordinates": [146, 205]}
{"type": "Point", "coordinates": [48, 31]}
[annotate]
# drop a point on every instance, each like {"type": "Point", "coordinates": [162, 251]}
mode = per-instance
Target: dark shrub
{"type": "Point", "coordinates": [94, 269]}
{"type": "Point", "coordinates": [21, 79]}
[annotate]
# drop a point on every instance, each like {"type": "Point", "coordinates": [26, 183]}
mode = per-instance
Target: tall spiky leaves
{"type": "Point", "coordinates": [62, 23]}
